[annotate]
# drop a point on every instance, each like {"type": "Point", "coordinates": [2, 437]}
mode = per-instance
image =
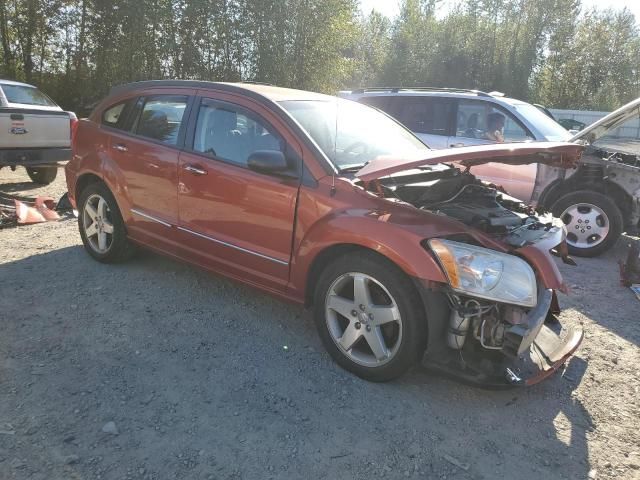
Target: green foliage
{"type": "Point", "coordinates": [598, 66]}
{"type": "Point", "coordinates": [538, 50]}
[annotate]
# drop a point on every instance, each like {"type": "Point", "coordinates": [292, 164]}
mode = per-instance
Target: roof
{"type": "Point", "coordinates": [13, 82]}
{"type": "Point", "coordinates": [275, 94]}
{"type": "Point", "coordinates": [278, 94]}
{"type": "Point", "coordinates": [426, 92]}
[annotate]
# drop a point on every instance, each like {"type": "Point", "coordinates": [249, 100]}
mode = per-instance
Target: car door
{"type": "Point", "coordinates": [146, 155]}
{"type": "Point", "coordinates": [472, 128]}
{"type": "Point", "coordinates": [232, 218]}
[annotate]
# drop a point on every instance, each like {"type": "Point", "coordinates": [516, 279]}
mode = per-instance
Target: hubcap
{"type": "Point", "coordinates": [363, 319]}
{"type": "Point", "coordinates": [587, 225]}
{"type": "Point", "coordinates": [97, 223]}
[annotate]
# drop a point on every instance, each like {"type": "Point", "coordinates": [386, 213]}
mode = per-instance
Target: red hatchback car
{"type": "Point", "coordinates": [332, 204]}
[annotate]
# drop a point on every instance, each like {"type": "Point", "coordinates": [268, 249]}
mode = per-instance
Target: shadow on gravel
{"type": "Point", "coordinates": [595, 279]}
{"type": "Point", "coordinates": [8, 191]}
{"type": "Point", "coordinates": [206, 378]}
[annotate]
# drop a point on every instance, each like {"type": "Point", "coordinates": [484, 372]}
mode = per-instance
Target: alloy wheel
{"type": "Point", "coordinates": [363, 319]}
{"type": "Point", "coordinates": [97, 223]}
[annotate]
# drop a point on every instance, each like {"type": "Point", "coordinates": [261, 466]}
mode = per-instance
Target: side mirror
{"type": "Point", "coordinates": [270, 162]}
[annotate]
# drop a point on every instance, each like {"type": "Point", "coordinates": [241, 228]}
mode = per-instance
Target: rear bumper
{"type": "Point", "coordinates": [33, 157]}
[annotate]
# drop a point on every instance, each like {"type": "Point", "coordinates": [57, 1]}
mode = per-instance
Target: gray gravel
{"type": "Point", "coordinates": [204, 378]}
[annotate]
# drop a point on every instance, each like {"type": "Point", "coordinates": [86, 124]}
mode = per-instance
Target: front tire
{"type": "Point", "coordinates": [42, 175]}
{"type": "Point", "coordinates": [594, 222]}
{"type": "Point", "coordinates": [101, 226]}
{"type": "Point", "coordinates": [369, 316]}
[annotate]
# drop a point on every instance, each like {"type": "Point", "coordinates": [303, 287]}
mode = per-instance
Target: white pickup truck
{"type": "Point", "coordinates": [34, 132]}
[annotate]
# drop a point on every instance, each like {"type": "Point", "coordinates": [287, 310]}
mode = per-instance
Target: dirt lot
{"type": "Point", "coordinates": [204, 378]}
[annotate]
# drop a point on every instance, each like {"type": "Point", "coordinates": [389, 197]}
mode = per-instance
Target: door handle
{"type": "Point", "coordinates": [456, 145]}
{"type": "Point", "coordinates": [121, 147]}
{"type": "Point", "coordinates": [195, 170]}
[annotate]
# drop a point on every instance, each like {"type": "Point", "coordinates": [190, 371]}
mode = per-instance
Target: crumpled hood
{"type": "Point", "coordinates": [556, 154]}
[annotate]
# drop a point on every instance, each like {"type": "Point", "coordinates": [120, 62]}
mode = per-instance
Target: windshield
{"type": "Point", "coordinates": [26, 95]}
{"type": "Point", "coordinates": [552, 130]}
{"type": "Point", "coordinates": [350, 134]}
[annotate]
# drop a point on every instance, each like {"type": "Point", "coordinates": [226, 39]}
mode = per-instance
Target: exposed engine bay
{"type": "Point", "coordinates": [479, 327]}
{"type": "Point", "coordinates": [446, 190]}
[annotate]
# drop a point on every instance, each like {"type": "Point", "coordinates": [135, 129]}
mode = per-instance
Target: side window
{"type": "Point", "coordinates": [229, 133]}
{"type": "Point", "coordinates": [112, 115]}
{"type": "Point", "coordinates": [378, 102]}
{"type": "Point", "coordinates": [161, 117]}
{"type": "Point", "coordinates": [483, 120]}
{"type": "Point", "coordinates": [423, 114]}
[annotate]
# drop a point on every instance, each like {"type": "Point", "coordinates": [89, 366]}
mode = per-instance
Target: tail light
{"type": "Point", "coordinates": [73, 125]}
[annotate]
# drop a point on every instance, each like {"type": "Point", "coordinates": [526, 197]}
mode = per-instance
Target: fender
{"type": "Point", "coordinates": [394, 231]}
{"type": "Point", "coordinates": [345, 228]}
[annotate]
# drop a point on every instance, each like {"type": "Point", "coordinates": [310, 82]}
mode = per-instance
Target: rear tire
{"type": "Point", "coordinates": [594, 222]}
{"type": "Point", "coordinates": [42, 175]}
{"type": "Point", "coordinates": [378, 338]}
{"type": "Point", "coordinates": [101, 226]}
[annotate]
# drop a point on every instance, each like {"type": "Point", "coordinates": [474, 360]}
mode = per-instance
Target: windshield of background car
{"type": "Point", "coordinates": [350, 134]}
{"type": "Point", "coordinates": [552, 130]}
{"type": "Point", "coordinates": [619, 136]}
{"type": "Point", "coordinates": [26, 95]}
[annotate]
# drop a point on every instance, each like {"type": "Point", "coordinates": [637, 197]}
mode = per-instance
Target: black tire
{"type": "Point", "coordinates": [600, 201]}
{"type": "Point", "coordinates": [120, 249]}
{"type": "Point", "coordinates": [411, 343]}
{"type": "Point", "coordinates": [42, 175]}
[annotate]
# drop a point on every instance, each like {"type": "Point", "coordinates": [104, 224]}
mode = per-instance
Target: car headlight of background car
{"type": "Point", "coordinates": [484, 273]}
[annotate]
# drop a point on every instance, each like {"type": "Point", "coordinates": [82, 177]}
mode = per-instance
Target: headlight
{"type": "Point", "coordinates": [485, 273]}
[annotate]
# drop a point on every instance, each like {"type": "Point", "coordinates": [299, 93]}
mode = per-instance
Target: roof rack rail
{"type": "Point", "coordinates": [252, 82]}
{"type": "Point", "coordinates": [424, 89]}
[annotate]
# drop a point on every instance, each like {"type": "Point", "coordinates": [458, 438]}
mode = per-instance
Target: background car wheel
{"type": "Point", "coordinates": [369, 316]}
{"type": "Point", "coordinates": [42, 175]}
{"type": "Point", "coordinates": [594, 222]}
{"type": "Point", "coordinates": [101, 226]}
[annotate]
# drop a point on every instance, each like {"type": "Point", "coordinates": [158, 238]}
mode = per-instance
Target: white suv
{"type": "Point", "coordinates": [447, 117]}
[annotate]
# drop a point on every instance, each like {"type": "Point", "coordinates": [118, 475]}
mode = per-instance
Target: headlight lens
{"type": "Point", "coordinates": [485, 273]}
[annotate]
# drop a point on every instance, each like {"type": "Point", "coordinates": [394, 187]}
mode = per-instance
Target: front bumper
{"type": "Point", "coordinates": [547, 354]}
{"type": "Point", "coordinates": [531, 352]}
{"type": "Point", "coordinates": [33, 157]}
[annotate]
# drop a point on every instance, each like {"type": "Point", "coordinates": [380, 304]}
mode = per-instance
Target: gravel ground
{"type": "Point", "coordinates": [154, 369]}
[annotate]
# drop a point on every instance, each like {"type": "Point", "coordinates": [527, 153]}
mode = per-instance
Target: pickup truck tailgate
{"type": "Point", "coordinates": [32, 129]}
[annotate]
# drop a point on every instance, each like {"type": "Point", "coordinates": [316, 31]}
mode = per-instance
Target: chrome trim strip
{"type": "Point", "coordinates": [231, 245]}
{"type": "Point", "coordinates": [149, 217]}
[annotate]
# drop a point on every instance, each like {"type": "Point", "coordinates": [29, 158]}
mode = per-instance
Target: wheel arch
{"type": "Point", "coordinates": [84, 181]}
{"type": "Point", "coordinates": [320, 261]}
{"type": "Point", "coordinates": [559, 188]}
{"type": "Point", "coordinates": [434, 301]}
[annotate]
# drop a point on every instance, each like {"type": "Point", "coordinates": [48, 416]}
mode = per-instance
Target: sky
{"type": "Point", "coordinates": [391, 8]}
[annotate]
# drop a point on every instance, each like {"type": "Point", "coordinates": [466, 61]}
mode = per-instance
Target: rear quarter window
{"type": "Point", "coordinates": [113, 115]}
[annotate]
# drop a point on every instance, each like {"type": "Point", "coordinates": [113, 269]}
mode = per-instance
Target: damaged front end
{"type": "Point", "coordinates": [499, 345]}
{"type": "Point", "coordinates": [502, 328]}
